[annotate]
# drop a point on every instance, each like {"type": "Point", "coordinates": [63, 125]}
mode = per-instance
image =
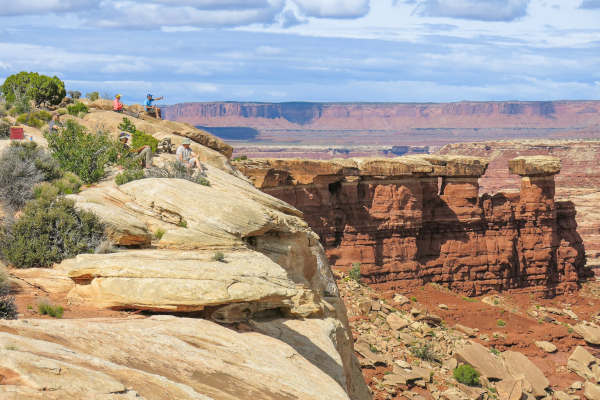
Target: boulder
{"type": "Point", "coordinates": [590, 334]}
{"type": "Point", "coordinates": [560, 395]}
{"type": "Point", "coordinates": [155, 358]}
{"type": "Point", "coordinates": [546, 346]}
{"type": "Point", "coordinates": [519, 365]}
{"type": "Point", "coordinates": [466, 330]}
{"type": "Point", "coordinates": [483, 361]}
{"type": "Point", "coordinates": [396, 322]}
{"type": "Point", "coordinates": [509, 389]}
{"type": "Point", "coordinates": [591, 391]}
{"type": "Point", "coordinates": [580, 362]}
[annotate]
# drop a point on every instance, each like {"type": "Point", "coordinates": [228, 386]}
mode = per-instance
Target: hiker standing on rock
{"type": "Point", "coordinates": [187, 157]}
{"type": "Point", "coordinates": [150, 109]}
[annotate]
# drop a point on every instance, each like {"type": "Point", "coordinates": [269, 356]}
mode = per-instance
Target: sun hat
{"type": "Point", "coordinates": [118, 95]}
{"type": "Point", "coordinates": [149, 95]}
{"type": "Point", "coordinates": [123, 135]}
{"type": "Point", "coordinates": [186, 141]}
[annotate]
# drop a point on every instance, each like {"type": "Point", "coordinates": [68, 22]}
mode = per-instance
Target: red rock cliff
{"type": "Point", "coordinates": [417, 219]}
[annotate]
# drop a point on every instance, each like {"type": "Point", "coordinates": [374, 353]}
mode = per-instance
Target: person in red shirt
{"type": "Point", "coordinates": [117, 105]}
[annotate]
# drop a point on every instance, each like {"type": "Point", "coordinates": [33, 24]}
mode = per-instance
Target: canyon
{"type": "Point", "coordinates": [412, 220]}
{"type": "Point", "coordinates": [390, 124]}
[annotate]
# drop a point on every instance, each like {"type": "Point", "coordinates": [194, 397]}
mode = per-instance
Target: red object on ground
{"type": "Point", "coordinates": [16, 133]}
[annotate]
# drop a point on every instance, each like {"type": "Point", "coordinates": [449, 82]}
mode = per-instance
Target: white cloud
{"type": "Point", "coordinates": [268, 51]}
{"type": "Point", "coordinates": [334, 8]}
{"type": "Point", "coordinates": [482, 10]}
{"type": "Point", "coordinates": [4, 65]}
{"type": "Point", "coordinates": [119, 68]}
{"type": "Point", "coordinates": [31, 7]}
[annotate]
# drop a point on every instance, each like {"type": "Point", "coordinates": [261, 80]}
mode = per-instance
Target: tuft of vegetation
{"type": "Point", "coordinates": [496, 302]}
{"type": "Point", "coordinates": [74, 94]}
{"type": "Point", "coordinates": [470, 300]}
{"type": "Point", "coordinates": [12, 346]}
{"type": "Point", "coordinates": [23, 87]}
{"type": "Point", "coordinates": [500, 322]}
{"type": "Point", "coordinates": [76, 109]}
{"type": "Point", "coordinates": [8, 307]}
{"type": "Point", "coordinates": [413, 299]}
{"type": "Point", "coordinates": [92, 96]}
{"type": "Point", "coordinates": [129, 175]}
{"type": "Point", "coordinates": [107, 96]}
{"type": "Point", "coordinates": [61, 111]}
{"type": "Point", "coordinates": [240, 158]}
{"type": "Point", "coordinates": [4, 130]}
{"type": "Point", "coordinates": [424, 351]}
{"type": "Point", "coordinates": [82, 152]}
{"type": "Point", "coordinates": [34, 119]}
{"type": "Point", "coordinates": [48, 232]}
{"type": "Point", "coordinates": [466, 375]}
{"type": "Point", "coordinates": [105, 247]}
{"type": "Point", "coordinates": [354, 272]}
{"type": "Point", "coordinates": [46, 308]}
{"type": "Point", "coordinates": [373, 349]}
{"type": "Point", "coordinates": [220, 257]}
{"type": "Point", "coordinates": [495, 352]}
{"type": "Point", "coordinates": [160, 232]}
{"type": "Point", "coordinates": [570, 330]}
{"type": "Point", "coordinates": [182, 224]}
{"type": "Point", "coordinates": [176, 170]}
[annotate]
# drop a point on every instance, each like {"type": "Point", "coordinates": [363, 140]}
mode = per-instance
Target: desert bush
{"type": "Point", "coordinates": [46, 308]}
{"type": "Point", "coordinates": [127, 126]}
{"type": "Point", "coordinates": [48, 232]}
{"type": "Point", "coordinates": [424, 352]}
{"type": "Point", "coordinates": [129, 175]}
{"type": "Point", "coordinates": [82, 152]}
{"type": "Point", "coordinates": [107, 96]}
{"type": "Point", "coordinates": [3, 109]}
{"type": "Point", "coordinates": [61, 111]}
{"type": "Point", "coordinates": [176, 170]}
{"type": "Point", "coordinates": [68, 184]}
{"type": "Point", "coordinates": [140, 139]}
{"type": "Point", "coordinates": [240, 158]}
{"type": "Point", "coordinates": [74, 94]}
{"type": "Point", "coordinates": [8, 308]}
{"type": "Point", "coordinates": [4, 130]}
{"type": "Point", "coordinates": [17, 178]}
{"type": "Point", "coordinates": [500, 322]}
{"type": "Point", "coordinates": [220, 257]}
{"type": "Point", "coordinates": [466, 375]}
{"type": "Point", "coordinates": [92, 96]}
{"type": "Point", "coordinates": [29, 150]}
{"type": "Point", "coordinates": [24, 86]}
{"type": "Point", "coordinates": [354, 272]}
{"type": "Point", "coordinates": [105, 247]}
{"type": "Point", "coordinates": [76, 109]}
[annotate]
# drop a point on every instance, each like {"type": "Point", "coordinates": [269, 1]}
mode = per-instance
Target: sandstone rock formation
{"type": "Point", "coordinates": [416, 219]}
{"type": "Point", "coordinates": [390, 123]}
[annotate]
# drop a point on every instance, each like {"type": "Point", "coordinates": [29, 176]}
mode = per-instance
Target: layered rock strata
{"type": "Point", "coordinates": [417, 219]}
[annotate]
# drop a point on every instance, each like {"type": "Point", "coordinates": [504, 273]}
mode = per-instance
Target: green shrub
{"type": "Point", "coordinates": [176, 170]}
{"type": "Point", "coordinates": [84, 153]}
{"type": "Point", "coordinates": [68, 184]}
{"type": "Point", "coordinates": [140, 139]}
{"type": "Point", "coordinates": [127, 126]}
{"type": "Point", "coordinates": [75, 109]}
{"type": "Point", "coordinates": [413, 299]}
{"type": "Point", "coordinates": [466, 375]}
{"type": "Point", "coordinates": [495, 352]}
{"type": "Point", "coordinates": [35, 120]}
{"type": "Point", "coordinates": [61, 111]}
{"type": "Point", "coordinates": [500, 322]}
{"type": "Point", "coordinates": [53, 311]}
{"type": "Point", "coordinates": [92, 96]}
{"type": "Point", "coordinates": [160, 232]}
{"type": "Point", "coordinates": [220, 257]}
{"type": "Point", "coordinates": [44, 162]}
{"type": "Point", "coordinates": [182, 224]}
{"type": "Point", "coordinates": [470, 300]}
{"type": "Point", "coordinates": [4, 130]}
{"type": "Point", "coordinates": [240, 158]}
{"type": "Point", "coordinates": [48, 232]}
{"type": "Point", "coordinates": [8, 307]}
{"type": "Point", "coordinates": [129, 175]}
{"type": "Point", "coordinates": [41, 89]}
{"type": "Point", "coordinates": [75, 94]}
{"type": "Point", "coordinates": [354, 272]}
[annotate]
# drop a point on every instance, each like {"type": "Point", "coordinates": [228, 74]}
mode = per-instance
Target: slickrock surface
{"type": "Point", "coordinates": [416, 219]}
{"type": "Point", "coordinates": [162, 357]}
{"type": "Point", "coordinates": [268, 321]}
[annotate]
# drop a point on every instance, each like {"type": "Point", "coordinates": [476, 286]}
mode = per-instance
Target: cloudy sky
{"type": "Point", "coordinates": [309, 50]}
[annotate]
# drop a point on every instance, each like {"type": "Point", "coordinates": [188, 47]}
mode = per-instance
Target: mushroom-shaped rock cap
{"type": "Point", "coordinates": [534, 166]}
{"type": "Point", "coordinates": [466, 166]}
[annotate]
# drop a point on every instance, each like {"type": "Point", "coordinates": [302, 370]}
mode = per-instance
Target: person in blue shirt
{"type": "Point", "coordinates": [150, 109]}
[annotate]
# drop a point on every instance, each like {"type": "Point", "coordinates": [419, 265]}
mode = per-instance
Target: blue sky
{"type": "Point", "coordinates": [309, 50]}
